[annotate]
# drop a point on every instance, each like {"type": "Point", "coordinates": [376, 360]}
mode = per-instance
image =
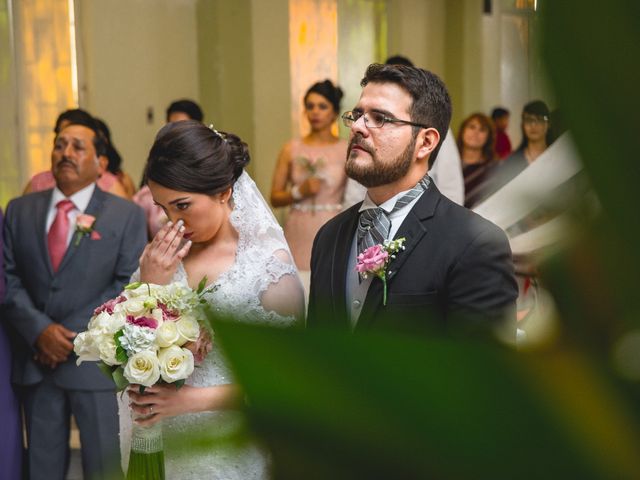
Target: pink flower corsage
{"type": "Point", "coordinates": [375, 260]}
{"type": "Point", "coordinates": [84, 227]}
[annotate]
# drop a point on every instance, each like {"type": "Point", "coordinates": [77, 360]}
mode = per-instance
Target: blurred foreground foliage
{"type": "Point", "coordinates": [331, 405]}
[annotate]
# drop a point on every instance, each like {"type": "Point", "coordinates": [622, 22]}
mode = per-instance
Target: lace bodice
{"type": "Point", "coordinates": [263, 269]}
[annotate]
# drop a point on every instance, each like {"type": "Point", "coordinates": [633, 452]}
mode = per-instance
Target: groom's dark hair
{"type": "Point", "coordinates": [431, 104]}
{"type": "Point", "coordinates": [191, 157]}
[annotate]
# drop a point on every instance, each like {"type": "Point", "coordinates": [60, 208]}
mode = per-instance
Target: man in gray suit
{"type": "Point", "coordinates": [56, 275]}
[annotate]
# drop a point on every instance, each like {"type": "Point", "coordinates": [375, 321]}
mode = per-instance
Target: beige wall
{"type": "Point", "coordinates": [271, 86]}
{"type": "Point", "coordinates": [135, 57]}
{"type": "Point", "coordinates": [485, 59]}
{"type": "Point", "coordinates": [11, 175]}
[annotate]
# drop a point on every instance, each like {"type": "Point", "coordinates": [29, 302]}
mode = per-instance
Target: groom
{"type": "Point", "coordinates": [455, 274]}
{"type": "Point", "coordinates": [56, 276]}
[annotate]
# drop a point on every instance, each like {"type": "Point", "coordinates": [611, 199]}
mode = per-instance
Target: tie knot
{"type": "Point", "coordinates": [65, 205]}
{"type": "Point", "coordinates": [368, 216]}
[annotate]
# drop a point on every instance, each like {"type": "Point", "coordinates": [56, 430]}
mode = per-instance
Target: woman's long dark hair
{"type": "Point", "coordinates": [488, 149]}
{"type": "Point", "coordinates": [539, 109]}
{"type": "Point", "coordinates": [190, 157]}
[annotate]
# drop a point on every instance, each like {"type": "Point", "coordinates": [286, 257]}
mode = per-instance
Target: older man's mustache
{"type": "Point", "coordinates": [66, 162]}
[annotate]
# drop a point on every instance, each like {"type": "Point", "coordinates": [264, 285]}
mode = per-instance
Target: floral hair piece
{"type": "Point", "coordinates": [221, 135]}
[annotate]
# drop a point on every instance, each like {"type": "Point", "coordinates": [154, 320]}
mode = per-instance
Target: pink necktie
{"type": "Point", "coordinates": [58, 233]}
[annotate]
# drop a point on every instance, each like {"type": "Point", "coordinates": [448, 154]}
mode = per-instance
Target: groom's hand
{"type": "Point", "coordinates": [161, 257]}
{"type": "Point", "coordinates": [55, 344]}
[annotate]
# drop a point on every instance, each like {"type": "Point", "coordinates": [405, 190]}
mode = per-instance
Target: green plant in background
{"type": "Point", "coordinates": [336, 405]}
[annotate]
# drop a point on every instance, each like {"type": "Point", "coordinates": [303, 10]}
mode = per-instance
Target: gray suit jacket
{"type": "Point", "coordinates": [90, 273]}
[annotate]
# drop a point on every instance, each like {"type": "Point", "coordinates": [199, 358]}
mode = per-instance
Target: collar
{"type": "Point", "coordinates": [386, 206]}
{"type": "Point", "coordinates": [80, 199]}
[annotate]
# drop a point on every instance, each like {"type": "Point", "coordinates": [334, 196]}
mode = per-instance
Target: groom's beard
{"type": "Point", "coordinates": [377, 172]}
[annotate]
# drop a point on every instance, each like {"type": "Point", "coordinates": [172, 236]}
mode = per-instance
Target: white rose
{"type": "Point", "coordinates": [143, 368]}
{"type": "Point", "coordinates": [134, 306]}
{"type": "Point", "coordinates": [188, 329]}
{"type": "Point", "coordinates": [85, 348]}
{"type": "Point", "coordinates": [107, 324]}
{"type": "Point", "coordinates": [167, 334]}
{"type": "Point", "coordinates": [175, 363]}
{"type": "Point", "coordinates": [107, 349]}
{"type": "Point", "coordinates": [156, 313]}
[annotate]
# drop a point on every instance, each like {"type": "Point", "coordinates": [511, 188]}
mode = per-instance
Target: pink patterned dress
{"type": "Point", "coordinates": [308, 215]}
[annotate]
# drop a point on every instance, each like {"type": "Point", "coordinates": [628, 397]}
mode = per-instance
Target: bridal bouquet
{"type": "Point", "coordinates": [148, 334]}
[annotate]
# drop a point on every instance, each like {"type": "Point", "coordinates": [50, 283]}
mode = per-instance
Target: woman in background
{"type": "Point", "coordinates": [114, 161]}
{"type": "Point", "coordinates": [310, 175]}
{"type": "Point", "coordinates": [476, 138]}
{"type": "Point", "coordinates": [11, 438]}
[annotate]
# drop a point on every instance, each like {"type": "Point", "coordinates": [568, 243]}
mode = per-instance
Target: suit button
{"type": "Point", "coordinates": [356, 304]}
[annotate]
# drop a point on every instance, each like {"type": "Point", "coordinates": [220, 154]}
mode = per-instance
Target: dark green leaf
{"type": "Point", "coordinates": [385, 406]}
{"type": "Point", "coordinates": [119, 379]}
{"type": "Point", "coordinates": [106, 369]}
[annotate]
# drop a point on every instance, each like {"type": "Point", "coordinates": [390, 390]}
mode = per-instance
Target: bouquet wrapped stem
{"type": "Point", "coordinates": [146, 459]}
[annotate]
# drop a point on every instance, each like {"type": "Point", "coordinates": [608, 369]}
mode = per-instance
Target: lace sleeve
{"type": "Point", "coordinates": [282, 292]}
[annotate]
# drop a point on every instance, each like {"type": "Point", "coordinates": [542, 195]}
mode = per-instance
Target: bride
{"type": "Point", "coordinates": [222, 229]}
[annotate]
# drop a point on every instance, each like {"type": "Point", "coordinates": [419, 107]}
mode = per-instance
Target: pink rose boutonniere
{"type": "Point", "coordinates": [84, 227]}
{"type": "Point", "coordinates": [375, 260]}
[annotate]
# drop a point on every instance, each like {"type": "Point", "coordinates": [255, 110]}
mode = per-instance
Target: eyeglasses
{"type": "Point", "coordinates": [535, 120]}
{"type": "Point", "coordinates": [374, 119]}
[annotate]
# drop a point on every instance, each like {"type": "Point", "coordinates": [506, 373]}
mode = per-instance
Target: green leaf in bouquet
{"type": "Point", "coordinates": [133, 286]}
{"type": "Point", "coordinates": [202, 285]}
{"type": "Point", "coordinates": [179, 383]}
{"type": "Point", "coordinates": [106, 369]}
{"type": "Point", "coordinates": [121, 353]}
{"type": "Point", "coordinates": [341, 405]}
{"type": "Point", "coordinates": [119, 379]}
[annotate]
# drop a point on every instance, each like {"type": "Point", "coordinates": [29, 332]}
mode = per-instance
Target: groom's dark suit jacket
{"type": "Point", "coordinates": [90, 273]}
{"type": "Point", "coordinates": [456, 273]}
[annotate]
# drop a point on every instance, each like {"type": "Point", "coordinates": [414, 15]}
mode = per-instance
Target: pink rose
{"type": "Point", "coordinates": [109, 305]}
{"type": "Point", "coordinates": [168, 314]}
{"type": "Point", "coordinates": [372, 260]}
{"type": "Point", "coordinates": [201, 347]}
{"type": "Point", "coordinates": [85, 222]}
{"type": "Point", "coordinates": [142, 321]}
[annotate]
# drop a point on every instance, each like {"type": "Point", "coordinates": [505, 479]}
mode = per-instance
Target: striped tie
{"type": "Point", "coordinates": [374, 223]}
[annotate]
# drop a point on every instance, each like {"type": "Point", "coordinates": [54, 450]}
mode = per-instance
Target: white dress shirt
{"type": "Point", "coordinates": [80, 201]}
{"type": "Point", "coordinates": [356, 291]}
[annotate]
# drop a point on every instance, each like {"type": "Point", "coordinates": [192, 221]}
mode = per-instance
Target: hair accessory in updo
{"type": "Point", "coordinates": [221, 135]}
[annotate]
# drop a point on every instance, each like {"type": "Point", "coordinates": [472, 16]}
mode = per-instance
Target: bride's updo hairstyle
{"type": "Point", "coordinates": [190, 157]}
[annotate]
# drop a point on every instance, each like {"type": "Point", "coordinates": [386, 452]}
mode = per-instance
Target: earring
{"type": "Point", "coordinates": [221, 201]}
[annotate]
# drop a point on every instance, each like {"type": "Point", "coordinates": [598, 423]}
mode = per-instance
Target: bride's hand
{"type": "Point", "coordinates": [165, 400]}
{"type": "Point", "coordinates": [161, 257]}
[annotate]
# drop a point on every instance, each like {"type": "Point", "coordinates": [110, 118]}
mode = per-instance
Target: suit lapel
{"type": "Point", "coordinates": [413, 229]}
{"type": "Point", "coordinates": [40, 216]}
{"type": "Point", "coordinates": [342, 248]}
{"type": "Point", "coordinates": [94, 207]}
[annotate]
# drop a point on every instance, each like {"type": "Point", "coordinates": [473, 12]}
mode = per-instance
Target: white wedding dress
{"type": "Point", "coordinates": [263, 273]}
